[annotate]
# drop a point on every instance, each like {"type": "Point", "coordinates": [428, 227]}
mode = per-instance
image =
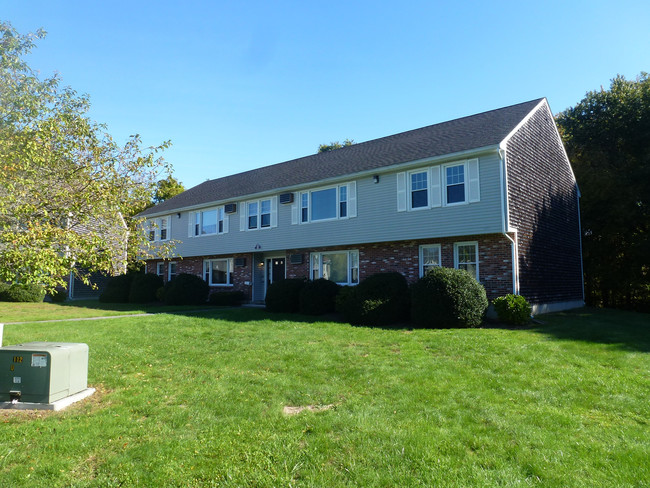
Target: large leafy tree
{"type": "Point", "coordinates": [65, 185]}
{"type": "Point", "coordinates": [166, 189]}
{"type": "Point", "coordinates": [607, 136]}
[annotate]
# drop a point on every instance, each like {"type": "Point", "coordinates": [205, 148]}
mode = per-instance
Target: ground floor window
{"type": "Point", "coordinates": [171, 271]}
{"type": "Point", "coordinates": [160, 269]}
{"type": "Point", "coordinates": [466, 257]}
{"type": "Point", "coordinates": [342, 267]}
{"type": "Point", "coordinates": [429, 258]}
{"type": "Point", "coordinates": [218, 272]}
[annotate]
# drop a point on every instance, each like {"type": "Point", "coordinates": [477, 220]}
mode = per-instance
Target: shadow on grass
{"type": "Point", "coordinates": [628, 330]}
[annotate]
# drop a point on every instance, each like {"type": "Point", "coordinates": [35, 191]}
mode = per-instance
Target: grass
{"type": "Point", "coordinates": [198, 401]}
{"type": "Point", "coordinates": [32, 312]}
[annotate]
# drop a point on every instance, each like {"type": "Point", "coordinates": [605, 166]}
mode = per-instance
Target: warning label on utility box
{"type": "Point", "coordinates": [39, 360]}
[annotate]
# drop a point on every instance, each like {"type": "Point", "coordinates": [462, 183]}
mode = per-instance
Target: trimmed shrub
{"type": "Point", "coordinates": [448, 297]}
{"type": "Point", "coordinates": [380, 299]}
{"type": "Point", "coordinates": [284, 296]}
{"type": "Point", "coordinates": [22, 293]}
{"type": "Point", "coordinates": [144, 287]}
{"type": "Point", "coordinates": [227, 298]}
{"type": "Point", "coordinates": [186, 289]}
{"type": "Point", "coordinates": [318, 297]}
{"type": "Point", "coordinates": [117, 289]}
{"type": "Point", "coordinates": [512, 309]}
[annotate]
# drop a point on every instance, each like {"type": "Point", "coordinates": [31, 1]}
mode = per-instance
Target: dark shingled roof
{"type": "Point", "coordinates": [467, 133]}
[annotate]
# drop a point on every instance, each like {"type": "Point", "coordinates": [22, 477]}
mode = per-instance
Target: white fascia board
{"type": "Point", "coordinates": [335, 179]}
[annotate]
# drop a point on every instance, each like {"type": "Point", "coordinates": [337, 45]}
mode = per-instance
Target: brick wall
{"type": "Point", "coordinates": [544, 209]}
{"type": "Point", "coordinates": [495, 261]}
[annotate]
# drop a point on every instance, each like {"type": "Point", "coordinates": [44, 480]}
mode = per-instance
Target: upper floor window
{"type": "Point", "coordinates": [466, 257]}
{"type": "Point", "coordinates": [326, 203]}
{"type": "Point", "coordinates": [455, 184]}
{"type": "Point", "coordinates": [419, 189]}
{"type": "Point", "coordinates": [159, 229]}
{"type": "Point", "coordinates": [429, 258]}
{"type": "Point", "coordinates": [259, 214]}
{"type": "Point", "coordinates": [342, 267]}
{"type": "Point", "coordinates": [207, 222]}
{"type": "Point", "coordinates": [440, 185]}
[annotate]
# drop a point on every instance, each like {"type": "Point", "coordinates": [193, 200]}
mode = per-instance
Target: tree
{"type": "Point", "coordinates": [167, 188]}
{"type": "Point", "coordinates": [607, 137]}
{"type": "Point", "coordinates": [65, 184]}
{"type": "Point", "coordinates": [334, 145]}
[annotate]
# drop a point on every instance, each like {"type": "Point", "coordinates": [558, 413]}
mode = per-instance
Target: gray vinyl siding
{"type": "Point", "coordinates": [377, 221]}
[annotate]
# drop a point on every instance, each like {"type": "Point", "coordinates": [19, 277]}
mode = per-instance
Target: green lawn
{"type": "Point", "coordinates": [198, 401]}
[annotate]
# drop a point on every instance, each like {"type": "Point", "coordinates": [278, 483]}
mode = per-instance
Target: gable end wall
{"type": "Point", "coordinates": [543, 207]}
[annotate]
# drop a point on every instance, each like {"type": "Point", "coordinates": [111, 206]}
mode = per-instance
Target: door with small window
{"type": "Point", "coordinates": [275, 270]}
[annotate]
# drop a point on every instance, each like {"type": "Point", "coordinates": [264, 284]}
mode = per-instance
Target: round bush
{"type": "Point", "coordinates": [144, 287]}
{"type": "Point", "coordinates": [448, 297]}
{"type": "Point", "coordinates": [22, 293]}
{"type": "Point", "coordinates": [318, 297]}
{"type": "Point", "coordinates": [380, 299]}
{"type": "Point", "coordinates": [227, 298]}
{"type": "Point", "coordinates": [512, 309]}
{"type": "Point", "coordinates": [117, 289]}
{"type": "Point", "coordinates": [186, 289]}
{"type": "Point", "coordinates": [284, 296]}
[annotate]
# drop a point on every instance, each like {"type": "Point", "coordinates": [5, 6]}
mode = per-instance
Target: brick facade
{"type": "Point", "coordinates": [494, 254]}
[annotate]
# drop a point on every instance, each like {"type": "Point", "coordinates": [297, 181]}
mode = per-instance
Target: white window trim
{"type": "Point", "coordinates": [437, 185]}
{"type": "Point", "coordinates": [160, 269]}
{"type": "Point", "coordinates": [350, 253]}
{"type": "Point", "coordinates": [229, 272]}
{"type": "Point", "coordinates": [467, 243]}
{"type": "Point", "coordinates": [465, 183]}
{"type": "Point", "coordinates": [192, 222]}
{"type": "Point", "coordinates": [155, 226]}
{"type": "Point", "coordinates": [351, 203]}
{"type": "Point", "coordinates": [438, 247]}
{"type": "Point", "coordinates": [409, 193]}
{"type": "Point", "coordinates": [169, 269]}
{"type": "Point", "coordinates": [273, 216]}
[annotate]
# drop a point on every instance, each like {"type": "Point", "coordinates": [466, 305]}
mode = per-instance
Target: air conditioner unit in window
{"type": "Point", "coordinates": [286, 198]}
{"type": "Point", "coordinates": [230, 208]}
{"type": "Point", "coordinates": [296, 258]}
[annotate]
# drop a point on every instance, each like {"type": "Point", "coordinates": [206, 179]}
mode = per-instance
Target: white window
{"type": "Point", "coordinates": [466, 257]}
{"type": "Point", "coordinates": [342, 267]}
{"type": "Point", "coordinates": [419, 189]}
{"type": "Point", "coordinates": [429, 258]}
{"type": "Point", "coordinates": [159, 229]}
{"type": "Point", "coordinates": [338, 202]}
{"type": "Point", "coordinates": [441, 185]}
{"type": "Point", "coordinates": [160, 269]}
{"type": "Point", "coordinates": [218, 272]}
{"type": "Point", "coordinates": [208, 222]}
{"type": "Point", "coordinates": [171, 271]}
{"type": "Point", "coordinates": [455, 187]}
{"type": "Point", "coordinates": [260, 214]}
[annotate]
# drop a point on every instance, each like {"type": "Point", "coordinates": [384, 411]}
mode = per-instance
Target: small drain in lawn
{"type": "Point", "coordinates": [287, 410]}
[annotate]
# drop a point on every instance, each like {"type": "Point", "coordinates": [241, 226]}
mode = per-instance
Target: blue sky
{"type": "Point", "coordinates": [239, 85]}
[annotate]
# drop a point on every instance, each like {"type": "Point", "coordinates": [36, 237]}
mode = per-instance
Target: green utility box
{"type": "Point", "coordinates": [42, 372]}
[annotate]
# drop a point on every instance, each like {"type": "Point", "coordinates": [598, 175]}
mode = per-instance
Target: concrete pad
{"type": "Point", "coordinates": [57, 405]}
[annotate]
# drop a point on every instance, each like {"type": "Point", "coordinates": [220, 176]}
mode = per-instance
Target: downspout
{"type": "Point", "coordinates": [582, 270]}
{"type": "Point", "coordinates": [505, 220]}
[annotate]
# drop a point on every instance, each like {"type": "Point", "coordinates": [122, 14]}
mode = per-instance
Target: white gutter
{"type": "Point", "coordinates": [505, 219]}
